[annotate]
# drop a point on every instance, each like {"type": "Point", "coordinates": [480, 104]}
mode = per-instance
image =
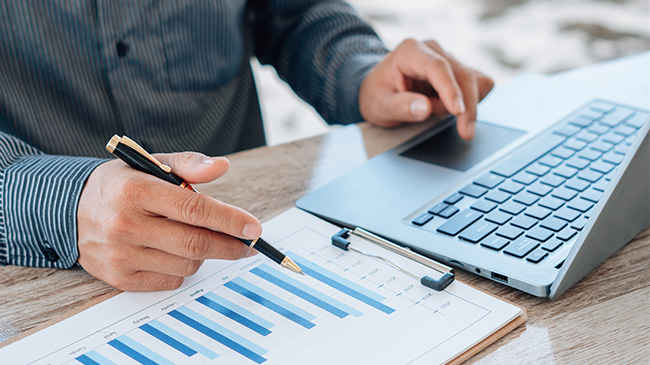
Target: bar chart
{"type": "Point", "coordinates": [347, 308]}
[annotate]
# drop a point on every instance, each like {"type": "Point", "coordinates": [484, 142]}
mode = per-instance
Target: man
{"type": "Point", "coordinates": [175, 76]}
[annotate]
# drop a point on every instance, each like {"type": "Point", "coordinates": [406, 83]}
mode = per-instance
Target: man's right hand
{"type": "Point", "coordinates": [138, 233]}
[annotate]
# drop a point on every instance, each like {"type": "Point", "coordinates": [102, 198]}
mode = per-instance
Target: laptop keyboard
{"type": "Point", "coordinates": [540, 198]}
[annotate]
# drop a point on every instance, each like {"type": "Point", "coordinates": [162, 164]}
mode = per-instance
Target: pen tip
{"type": "Point", "coordinates": [289, 264]}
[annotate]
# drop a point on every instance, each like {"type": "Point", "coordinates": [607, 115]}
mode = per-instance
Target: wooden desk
{"type": "Point", "coordinates": [602, 319]}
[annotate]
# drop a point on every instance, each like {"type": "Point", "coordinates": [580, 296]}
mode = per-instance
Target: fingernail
{"type": "Point", "coordinates": [470, 129]}
{"type": "Point", "coordinates": [251, 252]}
{"type": "Point", "coordinates": [208, 160]}
{"type": "Point", "coordinates": [419, 108]}
{"type": "Point", "coordinates": [252, 231]}
{"type": "Point", "coordinates": [460, 105]}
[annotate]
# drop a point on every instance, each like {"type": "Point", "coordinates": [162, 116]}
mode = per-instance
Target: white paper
{"type": "Point", "coordinates": [402, 322]}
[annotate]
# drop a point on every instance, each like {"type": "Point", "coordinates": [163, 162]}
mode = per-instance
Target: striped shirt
{"type": "Point", "coordinates": [174, 75]}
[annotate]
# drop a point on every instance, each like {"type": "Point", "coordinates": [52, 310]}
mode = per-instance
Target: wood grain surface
{"type": "Point", "coordinates": [604, 319]}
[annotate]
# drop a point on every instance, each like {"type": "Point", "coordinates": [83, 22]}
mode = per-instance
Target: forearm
{"type": "Point", "coordinates": [39, 194]}
{"type": "Point", "coordinates": [323, 49]}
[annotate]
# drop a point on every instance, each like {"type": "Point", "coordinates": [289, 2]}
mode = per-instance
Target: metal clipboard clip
{"type": "Point", "coordinates": [340, 240]}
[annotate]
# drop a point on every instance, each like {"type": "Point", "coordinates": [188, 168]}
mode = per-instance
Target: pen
{"type": "Point", "coordinates": [135, 156]}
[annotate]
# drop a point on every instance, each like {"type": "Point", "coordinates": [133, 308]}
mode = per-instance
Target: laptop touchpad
{"type": "Point", "coordinates": [447, 149]}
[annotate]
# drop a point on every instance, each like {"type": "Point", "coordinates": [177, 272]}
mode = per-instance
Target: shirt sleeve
{"type": "Point", "coordinates": [39, 195]}
{"type": "Point", "coordinates": [323, 49]}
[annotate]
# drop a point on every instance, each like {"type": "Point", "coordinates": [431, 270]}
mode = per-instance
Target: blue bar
{"type": "Point", "coordinates": [168, 339]}
{"type": "Point", "coordinates": [93, 357]}
{"type": "Point", "coordinates": [219, 334]}
{"type": "Point", "coordinates": [146, 353]}
{"type": "Point", "coordinates": [238, 315]}
{"type": "Point", "coordinates": [304, 291]}
{"type": "Point", "coordinates": [183, 339]}
{"type": "Point", "coordinates": [272, 302]}
{"type": "Point", "coordinates": [339, 283]}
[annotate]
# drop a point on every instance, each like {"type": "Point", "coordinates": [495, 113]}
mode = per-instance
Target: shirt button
{"type": "Point", "coordinates": [121, 48]}
{"type": "Point", "coordinates": [49, 252]}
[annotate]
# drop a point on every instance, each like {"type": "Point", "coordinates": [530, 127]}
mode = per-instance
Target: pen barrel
{"type": "Point", "coordinates": [141, 163]}
{"type": "Point", "coordinates": [266, 249]}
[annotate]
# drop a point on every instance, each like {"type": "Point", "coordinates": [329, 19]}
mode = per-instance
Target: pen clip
{"type": "Point", "coordinates": [112, 144]}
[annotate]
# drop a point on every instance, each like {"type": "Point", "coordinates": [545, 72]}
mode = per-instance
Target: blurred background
{"type": "Point", "coordinates": [502, 38]}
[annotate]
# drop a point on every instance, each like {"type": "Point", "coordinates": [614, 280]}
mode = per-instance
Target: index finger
{"type": "Point", "coordinates": [421, 62]}
{"type": "Point", "coordinates": [167, 200]}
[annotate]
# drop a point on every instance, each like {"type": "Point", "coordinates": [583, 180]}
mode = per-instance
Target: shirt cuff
{"type": "Point", "coordinates": [39, 196]}
{"type": "Point", "coordinates": [352, 74]}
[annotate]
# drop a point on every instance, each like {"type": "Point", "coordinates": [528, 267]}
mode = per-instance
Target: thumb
{"type": "Point", "coordinates": [194, 167]}
{"type": "Point", "coordinates": [407, 107]}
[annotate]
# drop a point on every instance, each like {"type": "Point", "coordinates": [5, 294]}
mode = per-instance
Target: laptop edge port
{"type": "Point", "coordinates": [499, 277]}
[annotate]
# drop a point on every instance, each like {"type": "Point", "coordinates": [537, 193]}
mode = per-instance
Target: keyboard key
{"type": "Point", "coordinates": [562, 153]}
{"type": "Point", "coordinates": [436, 209]}
{"type": "Point", "coordinates": [589, 175]}
{"type": "Point", "coordinates": [567, 214]}
{"type": "Point", "coordinates": [590, 114]}
{"type": "Point", "coordinates": [554, 224]}
{"type": "Point", "coordinates": [478, 231]}
{"type": "Point", "coordinates": [525, 178]}
{"type": "Point", "coordinates": [601, 185]}
{"type": "Point", "coordinates": [624, 130]}
{"type": "Point", "coordinates": [453, 199]}
{"type": "Point", "coordinates": [473, 190]}
{"type": "Point", "coordinates": [525, 156]}
{"type": "Point", "coordinates": [551, 203]}
{"type": "Point", "coordinates": [598, 128]}
{"type": "Point", "coordinates": [539, 189]}
{"type": "Point", "coordinates": [489, 180]}
{"type": "Point", "coordinates": [550, 161]}
{"type": "Point", "coordinates": [613, 138]}
{"type": "Point", "coordinates": [422, 219]}
{"type": "Point", "coordinates": [524, 222]}
{"type": "Point", "coordinates": [511, 187]}
{"type": "Point", "coordinates": [586, 136]}
{"type": "Point", "coordinates": [579, 223]}
{"type": "Point", "coordinates": [616, 117]}
{"type": "Point", "coordinates": [565, 171]}
{"type": "Point", "coordinates": [621, 149]}
{"type": "Point", "coordinates": [495, 242]}
{"type": "Point", "coordinates": [539, 233]}
{"type": "Point", "coordinates": [577, 184]}
{"type": "Point", "coordinates": [637, 120]}
{"type": "Point", "coordinates": [552, 244]}
{"type": "Point", "coordinates": [574, 144]}
{"type": "Point", "coordinates": [521, 247]}
{"type": "Point", "coordinates": [602, 167]}
{"type": "Point", "coordinates": [512, 207]}
{"type": "Point", "coordinates": [613, 157]}
{"type": "Point", "coordinates": [526, 198]}
{"type": "Point", "coordinates": [566, 130]}
{"type": "Point", "coordinates": [537, 256]}
{"type": "Point", "coordinates": [601, 146]}
{"type": "Point", "coordinates": [497, 196]}
{"type": "Point", "coordinates": [589, 155]}
{"type": "Point", "coordinates": [601, 106]}
{"type": "Point", "coordinates": [509, 232]}
{"type": "Point", "coordinates": [537, 212]}
{"type": "Point", "coordinates": [483, 206]}
{"type": "Point", "coordinates": [455, 225]}
{"type": "Point", "coordinates": [448, 211]}
{"type": "Point", "coordinates": [538, 169]}
{"type": "Point", "coordinates": [592, 195]}
{"type": "Point", "coordinates": [581, 122]}
{"type": "Point", "coordinates": [552, 180]}
{"type": "Point", "coordinates": [564, 193]}
{"type": "Point", "coordinates": [581, 205]}
{"type": "Point", "coordinates": [566, 234]}
{"type": "Point", "coordinates": [578, 162]}
{"type": "Point", "coordinates": [498, 217]}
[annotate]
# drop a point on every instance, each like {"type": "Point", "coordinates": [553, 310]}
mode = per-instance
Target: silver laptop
{"type": "Point", "coordinates": [534, 207]}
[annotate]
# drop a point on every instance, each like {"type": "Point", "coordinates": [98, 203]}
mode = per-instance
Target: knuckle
{"type": "Point", "coordinates": [408, 42]}
{"type": "Point", "coordinates": [118, 281]}
{"type": "Point", "coordinates": [192, 207]}
{"type": "Point", "coordinates": [190, 267]}
{"type": "Point", "coordinates": [117, 258]}
{"type": "Point", "coordinates": [233, 251]}
{"type": "Point", "coordinates": [118, 226]}
{"type": "Point", "coordinates": [196, 245]}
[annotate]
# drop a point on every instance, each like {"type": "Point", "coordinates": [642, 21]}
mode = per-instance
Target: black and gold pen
{"type": "Point", "coordinates": [135, 156]}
